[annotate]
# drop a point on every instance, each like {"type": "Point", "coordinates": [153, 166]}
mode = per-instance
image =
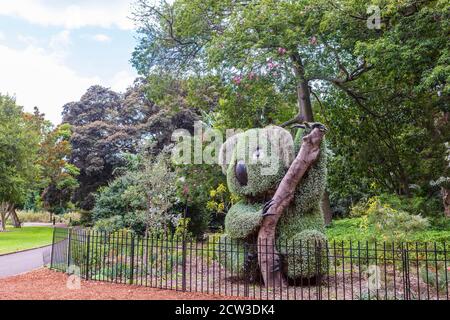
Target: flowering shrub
{"type": "Point", "coordinates": [392, 224]}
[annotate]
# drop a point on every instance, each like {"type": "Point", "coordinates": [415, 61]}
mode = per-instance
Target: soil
{"type": "Point", "coordinates": [44, 284]}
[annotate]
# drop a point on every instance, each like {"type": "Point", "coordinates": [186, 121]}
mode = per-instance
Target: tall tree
{"type": "Point", "coordinates": [19, 141]}
{"type": "Point", "coordinates": [320, 50]}
{"type": "Point", "coordinates": [97, 141]}
{"type": "Point", "coordinates": [58, 176]}
{"type": "Point", "coordinates": [106, 125]}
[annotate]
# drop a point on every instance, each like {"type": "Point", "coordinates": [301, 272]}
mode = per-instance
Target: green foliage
{"type": "Point", "coordinates": [303, 252]}
{"type": "Point", "coordinates": [141, 199]}
{"type": "Point", "coordinates": [435, 275]}
{"type": "Point", "coordinates": [392, 224]}
{"type": "Point", "coordinates": [181, 230]}
{"type": "Point", "coordinates": [194, 184]}
{"type": "Point", "coordinates": [243, 219]}
{"type": "Point", "coordinates": [383, 92]}
{"type": "Point", "coordinates": [302, 221]}
{"type": "Point", "coordinates": [109, 225]}
{"type": "Point", "coordinates": [354, 229]}
{"type": "Point", "coordinates": [58, 176]}
{"type": "Point", "coordinates": [268, 168]}
{"type": "Point", "coordinates": [19, 141]}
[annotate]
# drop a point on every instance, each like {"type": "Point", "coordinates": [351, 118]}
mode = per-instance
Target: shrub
{"type": "Point", "coordinates": [110, 225]}
{"type": "Point", "coordinates": [392, 224]}
{"type": "Point", "coordinates": [435, 276]}
{"type": "Point", "coordinates": [31, 216]}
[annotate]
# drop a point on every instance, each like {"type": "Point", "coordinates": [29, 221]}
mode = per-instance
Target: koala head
{"type": "Point", "coordinates": [256, 160]}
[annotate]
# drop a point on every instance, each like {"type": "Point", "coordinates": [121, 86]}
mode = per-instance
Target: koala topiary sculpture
{"type": "Point", "coordinates": [255, 162]}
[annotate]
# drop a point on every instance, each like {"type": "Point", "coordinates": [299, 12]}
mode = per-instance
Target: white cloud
{"type": "Point", "coordinates": [99, 13]}
{"type": "Point", "coordinates": [38, 78]}
{"type": "Point", "coordinates": [101, 38]}
{"type": "Point", "coordinates": [122, 80]}
{"type": "Point", "coordinates": [2, 36]}
{"type": "Point", "coordinates": [59, 45]}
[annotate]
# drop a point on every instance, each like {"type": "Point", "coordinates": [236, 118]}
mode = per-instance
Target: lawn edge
{"type": "Point", "coordinates": [30, 249]}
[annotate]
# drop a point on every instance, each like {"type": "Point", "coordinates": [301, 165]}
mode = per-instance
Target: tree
{"type": "Point", "coordinates": [141, 198]}
{"type": "Point", "coordinates": [394, 75]}
{"type": "Point", "coordinates": [270, 40]}
{"type": "Point", "coordinates": [19, 141]}
{"type": "Point", "coordinates": [106, 125]}
{"type": "Point", "coordinates": [58, 176]}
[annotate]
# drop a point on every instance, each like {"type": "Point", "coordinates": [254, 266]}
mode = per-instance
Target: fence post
{"type": "Point", "coordinates": [132, 259]}
{"type": "Point", "coordinates": [69, 247]}
{"type": "Point", "coordinates": [405, 269]}
{"type": "Point", "coordinates": [87, 254]}
{"type": "Point", "coordinates": [183, 263]}
{"type": "Point", "coordinates": [53, 249]}
{"type": "Point", "coordinates": [319, 269]}
{"type": "Point", "coordinates": [246, 270]}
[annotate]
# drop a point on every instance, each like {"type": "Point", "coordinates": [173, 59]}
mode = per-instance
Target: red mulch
{"type": "Point", "coordinates": [44, 284]}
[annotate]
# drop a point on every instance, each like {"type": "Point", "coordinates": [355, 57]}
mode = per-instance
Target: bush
{"type": "Point", "coordinates": [110, 225]}
{"type": "Point", "coordinates": [429, 207]}
{"type": "Point", "coordinates": [31, 216]}
{"type": "Point", "coordinates": [392, 224]}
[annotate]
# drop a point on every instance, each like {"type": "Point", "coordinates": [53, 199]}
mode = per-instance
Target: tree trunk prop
{"type": "Point", "coordinates": [268, 256]}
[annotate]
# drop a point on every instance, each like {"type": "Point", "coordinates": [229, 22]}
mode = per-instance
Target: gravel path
{"type": "Point", "coordinates": [17, 263]}
{"type": "Point", "coordinates": [44, 284]}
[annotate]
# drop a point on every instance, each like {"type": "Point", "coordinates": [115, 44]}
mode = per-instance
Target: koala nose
{"type": "Point", "coordinates": [241, 173]}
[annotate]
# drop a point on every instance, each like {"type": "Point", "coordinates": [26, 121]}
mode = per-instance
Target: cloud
{"type": "Point", "coordinates": [99, 13]}
{"type": "Point", "coordinates": [122, 80]}
{"type": "Point", "coordinates": [2, 36]}
{"type": "Point", "coordinates": [101, 38]}
{"type": "Point", "coordinates": [38, 78]}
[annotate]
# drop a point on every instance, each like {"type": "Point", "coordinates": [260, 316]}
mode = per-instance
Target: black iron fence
{"type": "Point", "coordinates": [217, 265]}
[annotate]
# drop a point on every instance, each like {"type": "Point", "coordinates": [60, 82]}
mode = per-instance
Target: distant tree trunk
{"type": "Point", "coordinates": [446, 199]}
{"type": "Point", "coordinates": [3, 224]}
{"type": "Point", "coordinates": [306, 114]}
{"type": "Point", "coordinates": [3, 212]}
{"type": "Point", "coordinates": [15, 219]}
{"type": "Point", "coordinates": [268, 257]}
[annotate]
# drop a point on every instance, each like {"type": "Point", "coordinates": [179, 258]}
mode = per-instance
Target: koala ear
{"type": "Point", "coordinates": [225, 152]}
{"type": "Point", "coordinates": [286, 144]}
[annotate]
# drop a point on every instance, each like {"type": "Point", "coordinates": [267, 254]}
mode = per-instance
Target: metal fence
{"type": "Point", "coordinates": [325, 271]}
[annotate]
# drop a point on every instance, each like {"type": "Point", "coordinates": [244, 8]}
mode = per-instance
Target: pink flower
{"type": "Point", "coordinates": [282, 51]}
{"type": "Point", "coordinates": [313, 40]}
{"type": "Point", "coordinates": [237, 80]}
{"type": "Point", "coordinates": [271, 65]}
{"type": "Point", "coordinates": [186, 190]}
{"type": "Point", "coordinates": [251, 75]}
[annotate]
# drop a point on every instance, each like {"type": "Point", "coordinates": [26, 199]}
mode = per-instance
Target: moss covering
{"type": "Point", "coordinates": [301, 226]}
{"type": "Point", "coordinates": [243, 220]}
{"type": "Point", "coordinates": [265, 171]}
{"type": "Point", "coordinates": [232, 255]}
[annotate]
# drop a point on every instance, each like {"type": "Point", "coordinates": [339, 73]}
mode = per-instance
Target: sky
{"type": "Point", "coordinates": [52, 51]}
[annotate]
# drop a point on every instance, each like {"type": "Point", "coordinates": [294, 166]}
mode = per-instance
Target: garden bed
{"type": "Point", "coordinates": [44, 284]}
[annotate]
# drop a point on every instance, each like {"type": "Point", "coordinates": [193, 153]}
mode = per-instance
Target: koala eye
{"type": "Point", "coordinates": [241, 173]}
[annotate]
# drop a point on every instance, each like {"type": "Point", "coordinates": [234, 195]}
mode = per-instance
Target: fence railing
{"type": "Point", "coordinates": [221, 266]}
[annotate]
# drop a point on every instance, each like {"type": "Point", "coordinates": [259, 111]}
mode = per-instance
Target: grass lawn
{"type": "Point", "coordinates": [24, 238]}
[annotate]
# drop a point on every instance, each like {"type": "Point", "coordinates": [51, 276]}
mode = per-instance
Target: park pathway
{"type": "Point", "coordinates": [25, 261]}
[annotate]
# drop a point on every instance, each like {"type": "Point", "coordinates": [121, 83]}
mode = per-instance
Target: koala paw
{"type": "Point", "coordinates": [266, 209]}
